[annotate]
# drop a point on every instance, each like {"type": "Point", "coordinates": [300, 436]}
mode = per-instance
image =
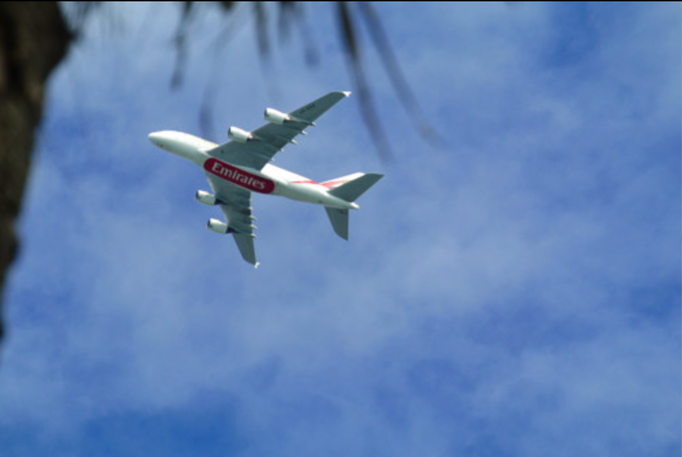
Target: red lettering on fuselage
{"type": "Point", "coordinates": [239, 177]}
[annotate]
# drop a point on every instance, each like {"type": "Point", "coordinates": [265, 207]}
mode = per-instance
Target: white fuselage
{"type": "Point", "coordinates": [269, 180]}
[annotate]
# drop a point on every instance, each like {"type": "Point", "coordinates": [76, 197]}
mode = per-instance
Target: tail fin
{"type": "Point", "coordinates": [352, 189]}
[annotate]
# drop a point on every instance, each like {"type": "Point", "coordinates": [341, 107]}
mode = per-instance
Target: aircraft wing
{"type": "Point", "coordinates": [236, 205]}
{"type": "Point", "coordinates": [269, 139]}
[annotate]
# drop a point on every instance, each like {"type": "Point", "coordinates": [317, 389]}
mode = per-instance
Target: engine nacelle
{"type": "Point", "coordinates": [217, 226]}
{"type": "Point", "coordinates": [205, 197]}
{"type": "Point", "coordinates": [276, 117]}
{"type": "Point", "coordinates": [239, 135]}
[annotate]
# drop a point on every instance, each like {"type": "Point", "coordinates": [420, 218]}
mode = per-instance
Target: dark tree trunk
{"type": "Point", "coordinates": [33, 39]}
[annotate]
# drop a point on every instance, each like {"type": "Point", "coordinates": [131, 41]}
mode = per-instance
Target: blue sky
{"type": "Point", "coordinates": [514, 292]}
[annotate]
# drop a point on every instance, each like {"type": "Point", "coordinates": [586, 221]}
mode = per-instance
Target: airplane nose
{"type": "Point", "coordinates": [155, 137]}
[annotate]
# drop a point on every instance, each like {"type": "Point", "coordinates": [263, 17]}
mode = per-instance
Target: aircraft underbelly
{"type": "Point", "coordinates": [309, 193]}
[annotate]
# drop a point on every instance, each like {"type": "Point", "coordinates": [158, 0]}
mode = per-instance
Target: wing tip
{"type": "Point", "coordinates": [346, 93]}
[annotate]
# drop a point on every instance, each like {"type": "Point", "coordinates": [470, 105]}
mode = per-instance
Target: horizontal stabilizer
{"type": "Point", "coordinates": [339, 220]}
{"type": "Point", "coordinates": [351, 190]}
{"type": "Point", "coordinates": [336, 182]}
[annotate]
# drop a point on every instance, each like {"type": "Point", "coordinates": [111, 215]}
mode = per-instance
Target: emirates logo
{"type": "Point", "coordinates": [239, 177]}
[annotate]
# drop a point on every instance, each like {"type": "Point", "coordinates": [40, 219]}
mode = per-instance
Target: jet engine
{"type": "Point", "coordinates": [205, 197]}
{"type": "Point", "coordinates": [239, 135]}
{"type": "Point", "coordinates": [217, 226]}
{"type": "Point", "coordinates": [276, 117]}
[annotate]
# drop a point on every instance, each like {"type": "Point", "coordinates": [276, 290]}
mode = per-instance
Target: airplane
{"type": "Point", "coordinates": [241, 166]}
